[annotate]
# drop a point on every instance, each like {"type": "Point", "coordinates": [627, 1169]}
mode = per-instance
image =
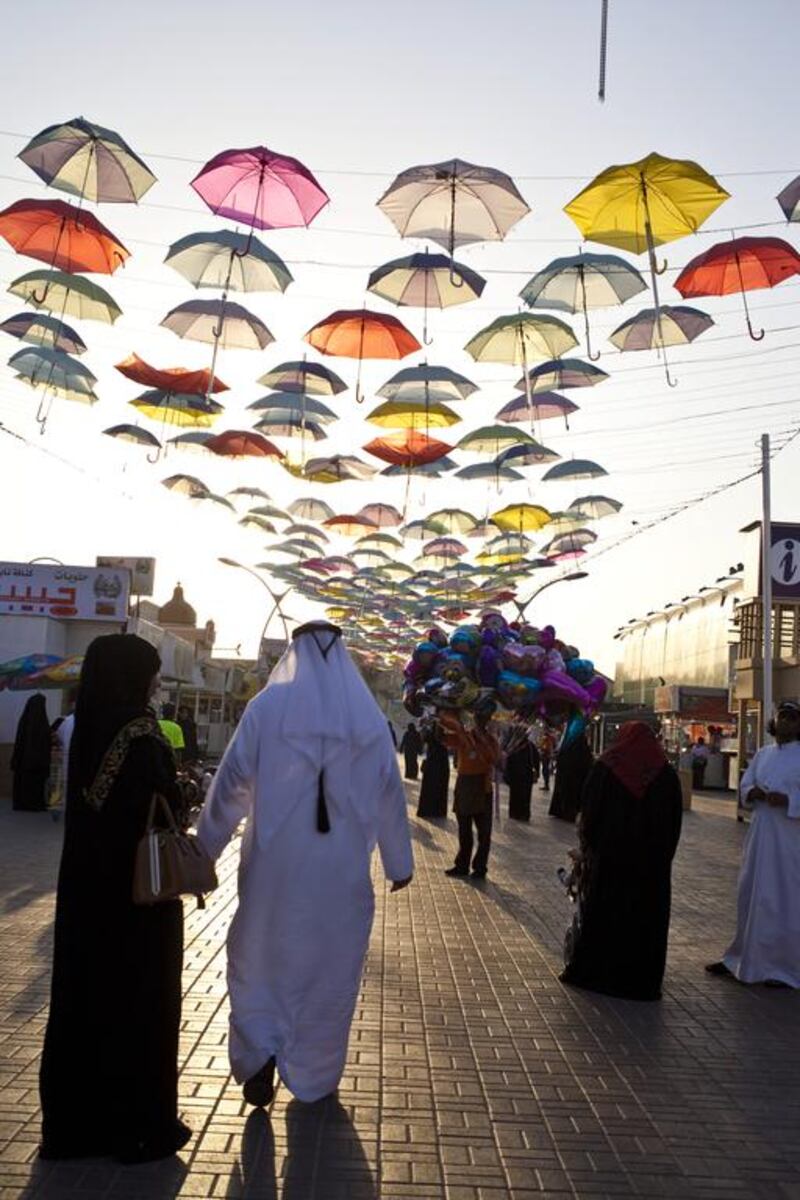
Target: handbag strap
{"type": "Point", "coordinates": [159, 801]}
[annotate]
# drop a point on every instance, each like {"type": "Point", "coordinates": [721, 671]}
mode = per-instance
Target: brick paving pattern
{"type": "Point", "coordinates": [473, 1074]}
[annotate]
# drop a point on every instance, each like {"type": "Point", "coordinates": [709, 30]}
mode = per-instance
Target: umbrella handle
{"type": "Point", "coordinates": [660, 270]}
{"type": "Point", "coordinates": [455, 280]}
{"type": "Point", "coordinates": [673, 383]}
{"type": "Point", "coordinates": [154, 458]}
{"type": "Point", "coordinates": [757, 337]}
{"type": "Point", "coordinates": [37, 299]}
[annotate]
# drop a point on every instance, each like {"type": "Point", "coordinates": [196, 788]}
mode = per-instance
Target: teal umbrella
{"type": "Point", "coordinates": [230, 261]}
{"type": "Point", "coordinates": [38, 329]}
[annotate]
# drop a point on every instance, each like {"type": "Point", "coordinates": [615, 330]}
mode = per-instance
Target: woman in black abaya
{"type": "Point", "coordinates": [435, 776]}
{"type": "Point", "coordinates": [30, 758]}
{"type": "Point", "coordinates": [629, 829]}
{"type": "Point", "coordinates": [520, 772]}
{"type": "Point", "coordinates": [109, 1076]}
{"type": "Point", "coordinates": [411, 748]}
{"type": "Point", "coordinates": [573, 764]}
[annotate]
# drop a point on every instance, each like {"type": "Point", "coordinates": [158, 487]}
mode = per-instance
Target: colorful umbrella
{"type": "Point", "coordinates": [422, 529]}
{"type": "Point", "coordinates": [671, 325]}
{"type": "Point", "coordinates": [56, 372]}
{"type": "Point", "coordinates": [170, 379]}
{"type": "Point", "coordinates": [741, 265]}
{"type": "Point", "coordinates": [26, 664]}
{"type": "Point", "coordinates": [194, 440]}
{"type": "Point", "coordinates": [134, 435]}
{"type": "Point", "coordinates": [412, 414]}
{"type": "Point", "coordinates": [61, 235]}
{"type": "Point", "coordinates": [336, 468]}
{"type": "Point", "coordinates": [427, 383]}
{"type": "Point", "coordinates": [432, 470]}
{"type": "Point", "coordinates": [271, 511]}
{"type": "Point", "coordinates": [582, 282]}
{"type": "Point", "coordinates": [530, 454]}
{"type": "Point", "coordinates": [385, 516]}
{"type": "Point", "coordinates": [407, 449]}
{"type": "Point", "coordinates": [444, 547]}
{"type": "Point", "coordinates": [312, 379]}
{"type": "Point", "coordinates": [562, 373]}
{"type": "Point", "coordinates": [261, 188]}
{"type": "Point", "coordinates": [453, 203]}
{"type": "Point", "coordinates": [72, 294]}
{"type": "Point", "coordinates": [308, 508]}
{"type": "Point", "coordinates": [254, 493]}
{"type": "Point", "coordinates": [596, 506]}
{"type": "Point", "coordinates": [230, 261]}
{"type": "Point", "coordinates": [789, 200]}
{"type": "Point", "coordinates": [219, 323]}
{"type": "Point", "coordinates": [491, 439]}
{"type": "Point", "coordinates": [290, 425]}
{"type": "Point", "coordinates": [489, 470]}
{"type": "Point", "coordinates": [241, 443]}
{"type": "Point", "coordinates": [292, 404]}
{"type": "Point", "coordinates": [519, 338]}
{"type": "Point", "coordinates": [566, 521]}
{"type": "Point", "coordinates": [177, 408]}
{"type": "Point", "coordinates": [638, 206]}
{"type": "Point", "coordinates": [62, 673]}
{"type": "Point", "coordinates": [543, 406]}
{"type": "Point", "coordinates": [454, 520]}
{"type": "Point", "coordinates": [185, 485]}
{"type": "Point", "coordinates": [87, 160]}
{"type": "Point", "coordinates": [360, 334]}
{"type": "Point", "coordinates": [40, 330]}
{"type": "Point", "coordinates": [575, 468]}
{"type": "Point", "coordinates": [426, 281]}
{"type": "Point", "coordinates": [520, 518]}
{"type": "Point", "coordinates": [306, 530]}
{"type": "Point", "coordinates": [349, 524]}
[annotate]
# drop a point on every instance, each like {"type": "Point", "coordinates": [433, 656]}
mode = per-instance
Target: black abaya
{"type": "Point", "coordinates": [573, 764]}
{"type": "Point", "coordinates": [109, 1076]}
{"type": "Point", "coordinates": [627, 845]}
{"type": "Point", "coordinates": [411, 748]}
{"type": "Point", "coordinates": [30, 758]}
{"type": "Point", "coordinates": [519, 774]}
{"type": "Point", "coordinates": [435, 779]}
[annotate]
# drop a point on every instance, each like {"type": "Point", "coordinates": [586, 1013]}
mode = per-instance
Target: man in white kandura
{"type": "Point", "coordinates": [313, 770]}
{"type": "Point", "coordinates": [766, 948]}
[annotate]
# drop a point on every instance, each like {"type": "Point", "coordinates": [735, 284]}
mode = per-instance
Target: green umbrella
{"type": "Point", "coordinates": [72, 294]}
{"type": "Point", "coordinates": [56, 372]}
{"type": "Point", "coordinates": [454, 520]}
{"type": "Point", "coordinates": [491, 439]}
{"type": "Point", "coordinates": [231, 261]}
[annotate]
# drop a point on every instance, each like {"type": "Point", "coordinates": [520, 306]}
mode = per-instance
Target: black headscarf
{"type": "Point", "coordinates": [114, 689]}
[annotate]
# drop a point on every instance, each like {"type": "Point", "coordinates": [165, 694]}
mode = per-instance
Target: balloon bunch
{"type": "Point", "coordinates": [529, 671]}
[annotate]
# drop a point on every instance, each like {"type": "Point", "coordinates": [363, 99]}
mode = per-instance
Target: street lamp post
{"type": "Point", "coordinates": [561, 579]}
{"type": "Point", "coordinates": [276, 599]}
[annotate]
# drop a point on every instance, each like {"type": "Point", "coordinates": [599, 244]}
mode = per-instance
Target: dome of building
{"type": "Point", "coordinates": [176, 611]}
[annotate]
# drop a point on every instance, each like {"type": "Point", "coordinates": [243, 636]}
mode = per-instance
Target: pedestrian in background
{"type": "Point", "coordinates": [477, 754]}
{"type": "Point", "coordinates": [30, 758]}
{"type": "Point", "coordinates": [433, 792]}
{"type": "Point", "coordinates": [411, 748]}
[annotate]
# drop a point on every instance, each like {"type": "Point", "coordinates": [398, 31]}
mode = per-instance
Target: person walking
{"type": "Point", "coordinates": [477, 754]}
{"type": "Point", "coordinates": [171, 731]}
{"type": "Point", "coordinates": [109, 1070]}
{"type": "Point", "coordinates": [766, 946]}
{"type": "Point", "coordinates": [433, 790]}
{"type": "Point", "coordinates": [30, 758]}
{"type": "Point", "coordinates": [520, 772]}
{"type": "Point", "coordinates": [411, 748]}
{"type": "Point", "coordinates": [573, 764]}
{"type": "Point", "coordinates": [700, 753]}
{"type": "Point", "coordinates": [312, 770]}
{"type": "Point", "coordinates": [629, 828]}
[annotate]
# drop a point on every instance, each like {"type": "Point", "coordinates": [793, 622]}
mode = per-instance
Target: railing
{"type": "Point", "coordinates": [785, 631]}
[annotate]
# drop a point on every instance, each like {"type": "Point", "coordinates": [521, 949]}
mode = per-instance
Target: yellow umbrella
{"type": "Point", "coordinates": [413, 414]}
{"type": "Point", "coordinates": [519, 518]}
{"type": "Point", "coordinates": [638, 206]}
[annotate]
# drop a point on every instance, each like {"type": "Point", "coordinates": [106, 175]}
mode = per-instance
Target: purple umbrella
{"type": "Point", "coordinates": [41, 330]}
{"type": "Point", "coordinates": [261, 188]}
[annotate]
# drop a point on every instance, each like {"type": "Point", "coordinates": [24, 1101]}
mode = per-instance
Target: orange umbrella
{"type": "Point", "coordinates": [408, 449]}
{"type": "Point", "coordinates": [360, 333]}
{"type": "Point", "coordinates": [241, 443]}
{"type": "Point", "coordinates": [349, 524]}
{"type": "Point", "coordinates": [61, 235]}
{"type": "Point", "coordinates": [170, 379]}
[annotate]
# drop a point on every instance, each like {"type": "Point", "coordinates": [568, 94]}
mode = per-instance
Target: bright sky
{"type": "Point", "coordinates": [359, 96]}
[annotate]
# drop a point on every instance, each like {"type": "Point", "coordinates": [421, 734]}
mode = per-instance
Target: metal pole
{"type": "Point", "coordinates": [766, 588]}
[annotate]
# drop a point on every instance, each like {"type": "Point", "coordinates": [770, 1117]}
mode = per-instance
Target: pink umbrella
{"type": "Point", "coordinates": [261, 188]}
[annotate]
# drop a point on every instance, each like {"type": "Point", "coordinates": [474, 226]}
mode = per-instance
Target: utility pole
{"type": "Point", "coordinates": [766, 589]}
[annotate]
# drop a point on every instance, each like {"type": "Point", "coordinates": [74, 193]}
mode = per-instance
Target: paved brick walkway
{"type": "Point", "coordinates": [473, 1074]}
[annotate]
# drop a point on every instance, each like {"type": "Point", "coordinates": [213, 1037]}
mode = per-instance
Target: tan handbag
{"type": "Point", "coordinates": [170, 863]}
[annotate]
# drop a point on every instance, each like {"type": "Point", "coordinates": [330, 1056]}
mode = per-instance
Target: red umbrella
{"type": "Point", "coordinates": [63, 236]}
{"type": "Point", "coordinates": [350, 524]}
{"type": "Point", "coordinates": [170, 379]}
{"type": "Point", "coordinates": [742, 265]}
{"type": "Point", "coordinates": [241, 443]}
{"type": "Point", "coordinates": [360, 333]}
{"type": "Point", "coordinates": [408, 449]}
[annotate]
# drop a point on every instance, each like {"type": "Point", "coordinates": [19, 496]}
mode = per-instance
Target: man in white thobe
{"type": "Point", "coordinates": [766, 948]}
{"type": "Point", "coordinates": [312, 769]}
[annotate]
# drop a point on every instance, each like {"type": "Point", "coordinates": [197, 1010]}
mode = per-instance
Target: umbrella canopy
{"type": "Point", "coordinates": [491, 439]}
{"type": "Point", "coordinates": [596, 506]}
{"type": "Point", "coordinates": [62, 673]}
{"type": "Point", "coordinates": [385, 516]}
{"type": "Point", "coordinates": [218, 321]}
{"type": "Point", "coordinates": [520, 338]}
{"type": "Point", "coordinates": [349, 524]}
{"type": "Point", "coordinates": [87, 160]}
{"type": "Point", "coordinates": [520, 518]}
{"type": "Point", "coordinates": [271, 511]}
{"type": "Point", "coordinates": [253, 521]}
{"type": "Point", "coordinates": [562, 373]}
{"type": "Point", "coordinates": [566, 521]}
{"type": "Point", "coordinates": [531, 454]}
{"type": "Point", "coordinates": [309, 508]}
{"type": "Point", "coordinates": [336, 468]}
{"type": "Point", "coordinates": [432, 470]}
{"type": "Point", "coordinates": [543, 405]}
{"type": "Point", "coordinates": [255, 493]}
{"type": "Point", "coordinates": [581, 282]}
{"type": "Point", "coordinates": [134, 435]}
{"type": "Point", "coordinates": [55, 371]}
{"type": "Point", "coordinates": [407, 449]}
{"type": "Point", "coordinates": [412, 414]}
{"type": "Point", "coordinates": [292, 404]}
{"type": "Point", "coordinates": [571, 540]}
{"type": "Point", "coordinates": [498, 472]}
{"type": "Point", "coordinates": [426, 281]}
{"type": "Point", "coordinates": [427, 383]}
{"type": "Point", "coordinates": [25, 665]}
{"type": "Point", "coordinates": [185, 485]}
{"type": "Point", "coordinates": [62, 236]}
{"type": "Point", "coordinates": [228, 260]}
{"type": "Point", "coordinates": [453, 203]}
{"type": "Point", "coordinates": [635, 206]}
{"type": "Point", "coordinates": [360, 333]}
{"type": "Point", "coordinates": [740, 265]}
{"type": "Point", "coordinates": [59, 292]}
{"type": "Point", "coordinates": [290, 425]}
{"type": "Point", "coordinates": [310, 378]}
{"type": "Point", "coordinates": [177, 408]}
{"type": "Point", "coordinates": [652, 329]}
{"type": "Point", "coordinates": [422, 529]}
{"type": "Point", "coordinates": [575, 468]}
{"type": "Point", "coordinates": [306, 530]}
{"type": "Point", "coordinates": [444, 547]}
{"type": "Point", "coordinates": [170, 379]}
{"type": "Point", "coordinates": [453, 520]}
{"type": "Point", "coordinates": [789, 200]}
{"type": "Point", "coordinates": [261, 188]}
{"type": "Point", "coordinates": [40, 330]}
{"type": "Point", "coordinates": [241, 443]}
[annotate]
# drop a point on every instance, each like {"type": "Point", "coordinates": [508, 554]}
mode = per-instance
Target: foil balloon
{"type": "Point", "coordinates": [425, 653]}
{"type": "Point", "coordinates": [559, 686]}
{"type": "Point", "coordinates": [488, 666]}
{"type": "Point", "coordinates": [437, 636]}
{"type": "Point", "coordinates": [466, 640]}
{"type": "Point", "coordinates": [581, 669]}
{"type": "Point", "coordinates": [553, 661]}
{"type": "Point", "coordinates": [547, 637]}
{"type": "Point", "coordinates": [596, 690]}
{"type": "Point", "coordinates": [517, 691]}
{"type": "Point", "coordinates": [573, 729]}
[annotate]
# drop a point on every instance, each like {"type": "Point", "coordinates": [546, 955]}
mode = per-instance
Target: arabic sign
{"type": "Point", "coordinates": [64, 593]}
{"type": "Point", "coordinates": [142, 571]}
